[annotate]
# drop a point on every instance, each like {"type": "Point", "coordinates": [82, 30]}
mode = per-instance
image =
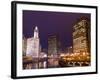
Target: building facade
{"type": "Point", "coordinates": [24, 46]}
{"type": "Point", "coordinates": [53, 45]}
{"type": "Point", "coordinates": [81, 36]}
{"type": "Point", "coordinates": [33, 44]}
{"type": "Point", "coordinates": [53, 51]}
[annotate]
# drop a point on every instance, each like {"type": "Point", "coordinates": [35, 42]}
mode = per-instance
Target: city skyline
{"type": "Point", "coordinates": [77, 54]}
{"type": "Point", "coordinates": [51, 23]}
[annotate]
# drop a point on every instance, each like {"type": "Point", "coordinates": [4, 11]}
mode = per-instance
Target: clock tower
{"type": "Point", "coordinates": [36, 44]}
{"type": "Point", "coordinates": [33, 44]}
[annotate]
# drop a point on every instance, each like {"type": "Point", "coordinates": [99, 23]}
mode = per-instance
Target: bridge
{"type": "Point", "coordinates": [30, 62]}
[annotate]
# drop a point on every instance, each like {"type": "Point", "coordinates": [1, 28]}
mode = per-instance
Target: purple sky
{"type": "Point", "coordinates": [51, 23]}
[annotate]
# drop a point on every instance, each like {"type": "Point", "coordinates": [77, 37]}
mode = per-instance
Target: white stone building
{"type": "Point", "coordinates": [33, 44]}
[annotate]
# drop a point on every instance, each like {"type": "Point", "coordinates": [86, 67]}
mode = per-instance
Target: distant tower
{"type": "Point", "coordinates": [53, 50]}
{"type": "Point", "coordinates": [33, 44]}
{"type": "Point", "coordinates": [52, 45]}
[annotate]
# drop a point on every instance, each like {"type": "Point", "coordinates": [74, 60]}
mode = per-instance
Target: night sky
{"type": "Point", "coordinates": [51, 23]}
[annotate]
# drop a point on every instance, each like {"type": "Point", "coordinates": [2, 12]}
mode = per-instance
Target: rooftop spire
{"type": "Point", "coordinates": [36, 32]}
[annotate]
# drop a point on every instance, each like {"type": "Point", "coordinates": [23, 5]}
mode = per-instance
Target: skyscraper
{"type": "Point", "coordinates": [33, 44]}
{"type": "Point", "coordinates": [81, 36]}
{"type": "Point", "coordinates": [53, 45]}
